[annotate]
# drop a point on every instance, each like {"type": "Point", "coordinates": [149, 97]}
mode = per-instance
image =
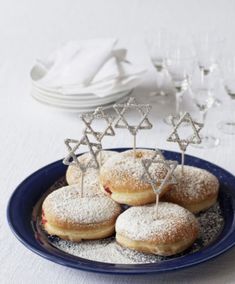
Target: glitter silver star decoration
{"type": "Point", "coordinates": [73, 147]}
{"type": "Point", "coordinates": [98, 114]}
{"type": "Point", "coordinates": [158, 156]}
{"type": "Point", "coordinates": [122, 109]}
{"type": "Point", "coordinates": [193, 139]}
{"type": "Point", "coordinates": [158, 184]}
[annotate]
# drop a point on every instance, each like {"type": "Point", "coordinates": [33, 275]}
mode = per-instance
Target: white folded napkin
{"type": "Point", "coordinates": [87, 66]}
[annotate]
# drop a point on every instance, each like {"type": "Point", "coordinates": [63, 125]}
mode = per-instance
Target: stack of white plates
{"type": "Point", "coordinates": [72, 101]}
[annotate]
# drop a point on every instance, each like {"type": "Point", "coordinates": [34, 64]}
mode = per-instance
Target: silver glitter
{"type": "Point", "coordinates": [143, 109]}
{"type": "Point", "coordinates": [98, 114]}
{"type": "Point", "coordinates": [122, 122]}
{"type": "Point", "coordinates": [72, 159]}
{"type": "Point", "coordinates": [193, 139]}
{"type": "Point", "coordinates": [183, 143]}
{"type": "Point", "coordinates": [158, 184]}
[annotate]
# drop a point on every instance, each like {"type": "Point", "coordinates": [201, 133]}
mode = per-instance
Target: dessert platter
{"type": "Point", "coordinates": [126, 210]}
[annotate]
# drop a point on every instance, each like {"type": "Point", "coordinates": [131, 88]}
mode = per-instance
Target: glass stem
{"type": "Point", "coordinates": [202, 75]}
{"type": "Point", "coordinates": [178, 101]}
{"type": "Point", "coordinates": [231, 110]}
{"type": "Point", "coordinates": [159, 81]}
{"type": "Point", "coordinates": [203, 116]}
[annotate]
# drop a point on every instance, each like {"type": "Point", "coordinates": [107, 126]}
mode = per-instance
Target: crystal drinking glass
{"type": "Point", "coordinates": [227, 66]}
{"type": "Point", "coordinates": [157, 42]}
{"type": "Point", "coordinates": [209, 47]}
{"type": "Point", "coordinates": [202, 94]}
{"type": "Point", "coordinates": [180, 64]}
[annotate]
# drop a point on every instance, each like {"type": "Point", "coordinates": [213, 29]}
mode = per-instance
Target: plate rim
{"type": "Point", "coordinates": [78, 263]}
{"type": "Point", "coordinates": [78, 103]}
{"type": "Point", "coordinates": [77, 109]}
{"type": "Point", "coordinates": [137, 81]}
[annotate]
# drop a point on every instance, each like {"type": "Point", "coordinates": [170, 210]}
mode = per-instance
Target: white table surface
{"type": "Point", "coordinates": [32, 135]}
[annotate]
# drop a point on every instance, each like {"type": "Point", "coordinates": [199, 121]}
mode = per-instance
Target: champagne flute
{"type": "Point", "coordinates": [209, 47]}
{"type": "Point", "coordinates": [157, 47]}
{"type": "Point", "coordinates": [202, 94]}
{"type": "Point", "coordinates": [180, 65]}
{"type": "Point", "coordinates": [227, 65]}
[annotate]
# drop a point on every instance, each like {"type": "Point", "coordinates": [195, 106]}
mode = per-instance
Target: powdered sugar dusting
{"type": "Point", "coordinates": [125, 168]}
{"type": "Point", "coordinates": [67, 205]}
{"type": "Point", "coordinates": [107, 250]}
{"type": "Point", "coordinates": [139, 223]}
{"type": "Point", "coordinates": [73, 174]}
{"type": "Point", "coordinates": [196, 184]}
{"type": "Point", "coordinates": [91, 185]}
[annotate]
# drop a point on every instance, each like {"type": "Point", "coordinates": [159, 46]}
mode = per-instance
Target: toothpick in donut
{"type": "Point", "coordinates": [156, 183]}
{"type": "Point", "coordinates": [72, 158]}
{"type": "Point", "coordinates": [143, 109]}
{"type": "Point", "coordinates": [98, 114]}
{"type": "Point", "coordinates": [184, 142]}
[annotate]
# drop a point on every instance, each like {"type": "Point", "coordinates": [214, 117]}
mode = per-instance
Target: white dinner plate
{"type": "Point", "coordinates": [76, 103]}
{"type": "Point", "coordinates": [85, 98]}
{"type": "Point", "coordinates": [78, 109]}
{"type": "Point", "coordinates": [91, 92]}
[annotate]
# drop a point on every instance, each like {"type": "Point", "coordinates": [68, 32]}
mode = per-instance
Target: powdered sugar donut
{"type": "Point", "coordinates": [72, 217]}
{"type": "Point", "coordinates": [73, 173]}
{"type": "Point", "coordinates": [172, 232]}
{"type": "Point", "coordinates": [91, 186]}
{"type": "Point", "coordinates": [197, 189]}
{"type": "Point", "coordinates": [120, 178]}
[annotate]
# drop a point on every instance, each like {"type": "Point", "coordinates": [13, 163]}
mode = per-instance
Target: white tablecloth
{"type": "Point", "coordinates": [32, 135]}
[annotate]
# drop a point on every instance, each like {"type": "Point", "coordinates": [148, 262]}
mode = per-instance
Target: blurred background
{"type": "Point", "coordinates": [33, 29]}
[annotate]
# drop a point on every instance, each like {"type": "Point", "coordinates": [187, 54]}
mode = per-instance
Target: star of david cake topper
{"type": "Point", "coordinates": [73, 146]}
{"type": "Point", "coordinates": [184, 142]}
{"type": "Point", "coordinates": [142, 109]}
{"type": "Point", "coordinates": [98, 114]}
{"type": "Point", "coordinates": [158, 184]}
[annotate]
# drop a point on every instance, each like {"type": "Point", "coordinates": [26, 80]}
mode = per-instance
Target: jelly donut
{"type": "Point", "coordinates": [73, 173]}
{"type": "Point", "coordinates": [72, 217]}
{"type": "Point", "coordinates": [172, 232]}
{"type": "Point", "coordinates": [197, 189]}
{"type": "Point", "coordinates": [91, 185]}
{"type": "Point", "coordinates": [120, 178]}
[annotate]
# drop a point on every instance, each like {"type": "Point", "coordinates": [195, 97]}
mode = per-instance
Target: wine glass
{"type": "Point", "coordinates": [202, 94]}
{"type": "Point", "coordinates": [157, 47]}
{"type": "Point", "coordinates": [180, 64]}
{"type": "Point", "coordinates": [209, 47]}
{"type": "Point", "coordinates": [227, 65]}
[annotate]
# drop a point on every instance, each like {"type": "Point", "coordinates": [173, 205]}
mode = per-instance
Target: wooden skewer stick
{"type": "Point", "coordinates": [100, 159]}
{"type": "Point", "coordinates": [182, 162]}
{"type": "Point", "coordinates": [82, 183]}
{"type": "Point", "coordinates": [156, 206]}
{"type": "Point", "coordinates": [134, 145]}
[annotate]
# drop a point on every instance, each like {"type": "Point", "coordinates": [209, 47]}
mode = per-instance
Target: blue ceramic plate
{"type": "Point", "coordinates": [27, 194]}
